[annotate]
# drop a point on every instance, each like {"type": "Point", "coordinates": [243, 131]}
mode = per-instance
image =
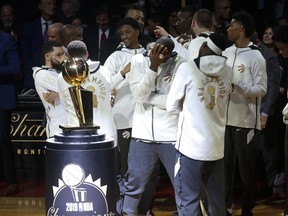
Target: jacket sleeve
{"type": "Point", "coordinates": [157, 100]}
{"type": "Point", "coordinates": [258, 83]}
{"type": "Point", "coordinates": [142, 78]}
{"type": "Point", "coordinates": [114, 70]}
{"type": "Point", "coordinates": [45, 80]}
{"type": "Point", "coordinates": [177, 91]}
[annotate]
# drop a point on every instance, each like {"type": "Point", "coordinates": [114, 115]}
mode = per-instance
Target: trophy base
{"type": "Point", "coordinates": [80, 172]}
{"type": "Point", "coordinates": [68, 129]}
{"type": "Point", "coordinates": [76, 134]}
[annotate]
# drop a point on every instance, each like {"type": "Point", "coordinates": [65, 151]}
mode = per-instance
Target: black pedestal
{"type": "Point", "coordinates": [80, 173]}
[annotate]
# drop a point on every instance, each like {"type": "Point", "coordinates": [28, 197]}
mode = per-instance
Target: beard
{"type": "Point", "coordinates": [57, 65]}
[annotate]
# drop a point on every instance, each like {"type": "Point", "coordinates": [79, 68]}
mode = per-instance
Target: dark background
{"type": "Point", "coordinates": [26, 10]}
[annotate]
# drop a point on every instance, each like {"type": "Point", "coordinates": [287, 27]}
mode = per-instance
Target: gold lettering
{"type": "Point", "coordinates": [21, 125]}
{"type": "Point", "coordinates": [39, 131]}
{"type": "Point", "coordinates": [222, 91]}
{"type": "Point", "coordinates": [30, 151]}
{"type": "Point", "coordinates": [200, 94]}
{"type": "Point", "coordinates": [20, 128]}
{"type": "Point", "coordinates": [94, 79]}
{"type": "Point", "coordinates": [99, 83]}
{"type": "Point", "coordinates": [202, 99]}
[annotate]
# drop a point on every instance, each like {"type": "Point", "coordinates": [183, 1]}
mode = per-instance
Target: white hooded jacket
{"type": "Point", "coordinates": [45, 80]}
{"type": "Point", "coordinates": [151, 121]}
{"type": "Point", "coordinates": [250, 84]}
{"type": "Point", "coordinates": [200, 92]}
{"type": "Point", "coordinates": [124, 102]}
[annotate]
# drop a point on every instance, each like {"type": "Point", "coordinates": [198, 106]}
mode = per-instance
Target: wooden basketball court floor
{"type": "Point", "coordinates": [30, 201]}
{"type": "Point", "coordinates": [35, 206]}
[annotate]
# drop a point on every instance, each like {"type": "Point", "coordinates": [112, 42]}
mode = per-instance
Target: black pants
{"type": "Point", "coordinates": [266, 152]}
{"type": "Point", "coordinates": [236, 147]}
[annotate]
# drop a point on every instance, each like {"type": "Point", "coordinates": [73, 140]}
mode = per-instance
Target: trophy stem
{"type": "Point", "coordinates": [84, 111]}
{"type": "Point", "coordinates": [82, 118]}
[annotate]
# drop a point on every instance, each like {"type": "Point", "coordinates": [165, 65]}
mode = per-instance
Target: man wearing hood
{"type": "Point", "coordinates": [199, 93]}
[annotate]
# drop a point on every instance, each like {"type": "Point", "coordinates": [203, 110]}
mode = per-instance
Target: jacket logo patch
{"type": "Point", "coordinates": [167, 78]}
{"type": "Point", "coordinates": [241, 68]}
{"type": "Point", "coordinates": [213, 89]}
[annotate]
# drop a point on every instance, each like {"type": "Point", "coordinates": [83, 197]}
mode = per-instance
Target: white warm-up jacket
{"type": "Point", "coordinates": [151, 120]}
{"type": "Point", "coordinates": [250, 84]}
{"type": "Point", "coordinates": [123, 108]}
{"type": "Point", "coordinates": [45, 80]}
{"type": "Point", "coordinates": [200, 93]}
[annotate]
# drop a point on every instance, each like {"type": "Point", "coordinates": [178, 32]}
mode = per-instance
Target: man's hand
{"type": "Point", "coordinates": [263, 120]}
{"type": "Point", "coordinates": [183, 38]}
{"type": "Point", "coordinates": [157, 56]}
{"type": "Point", "coordinates": [282, 90]}
{"type": "Point", "coordinates": [160, 31]}
{"type": "Point", "coordinates": [126, 69]}
{"type": "Point", "coordinates": [51, 97]}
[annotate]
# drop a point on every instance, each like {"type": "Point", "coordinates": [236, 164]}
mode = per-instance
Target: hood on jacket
{"type": "Point", "coordinates": [211, 65]}
{"type": "Point", "coordinates": [123, 48]}
{"type": "Point", "coordinates": [36, 69]}
{"type": "Point", "coordinates": [93, 65]}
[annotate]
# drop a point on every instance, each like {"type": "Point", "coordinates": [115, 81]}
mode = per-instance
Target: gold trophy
{"type": "Point", "coordinates": [75, 71]}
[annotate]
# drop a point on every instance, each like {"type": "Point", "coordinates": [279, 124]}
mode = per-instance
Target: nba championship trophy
{"type": "Point", "coordinates": [75, 71]}
{"type": "Point", "coordinates": [79, 162]}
